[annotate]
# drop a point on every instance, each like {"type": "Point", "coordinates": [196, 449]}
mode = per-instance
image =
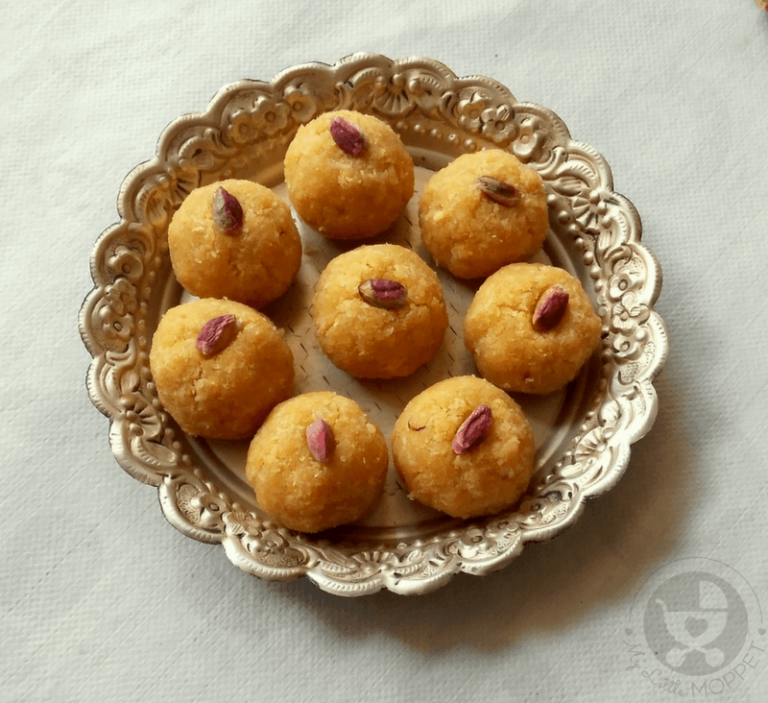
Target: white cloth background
{"type": "Point", "coordinates": [102, 600]}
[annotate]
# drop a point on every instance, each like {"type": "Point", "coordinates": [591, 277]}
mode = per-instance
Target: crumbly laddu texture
{"type": "Point", "coordinates": [370, 342]}
{"type": "Point", "coordinates": [298, 491]}
{"type": "Point", "coordinates": [490, 477]}
{"type": "Point", "coordinates": [471, 235]}
{"type": "Point", "coordinates": [344, 196]}
{"type": "Point", "coordinates": [508, 350]}
{"type": "Point", "coordinates": [225, 396]}
{"type": "Point", "coordinates": [254, 266]}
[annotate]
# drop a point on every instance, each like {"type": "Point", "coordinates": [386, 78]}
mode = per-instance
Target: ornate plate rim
{"type": "Point", "coordinates": [115, 318]}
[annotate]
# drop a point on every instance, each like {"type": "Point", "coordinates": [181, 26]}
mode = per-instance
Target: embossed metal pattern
{"type": "Point", "coordinates": [594, 232]}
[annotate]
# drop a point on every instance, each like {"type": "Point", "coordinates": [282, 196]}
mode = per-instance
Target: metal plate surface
{"type": "Point", "coordinates": [583, 433]}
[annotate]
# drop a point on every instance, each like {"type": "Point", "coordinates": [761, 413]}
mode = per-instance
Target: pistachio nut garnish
{"type": "Point", "coordinates": [383, 293]}
{"type": "Point", "coordinates": [550, 309]}
{"type": "Point", "coordinates": [498, 191]}
{"type": "Point", "coordinates": [320, 440]}
{"type": "Point", "coordinates": [348, 136]}
{"type": "Point", "coordinates": [217, 334]}
{"type": "Point", "coordinates": [227, 212]}
{"type": "Point", "coordinates": [473, 430]}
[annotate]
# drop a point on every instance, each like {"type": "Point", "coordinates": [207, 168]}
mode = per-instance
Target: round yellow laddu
{"type": "Point", "coordinates": [254, 265]}
{"type": "Point", "coordinates": [303, 493]}
{"type": "Point", "coordinates": [342, 195]}
{"type": "Point", "coordinates": [472, 235]}
{"type": "Point", "coordinates": [226, 395]}
{"type": "Point", "coordinates": [508, 350]}
{"type": "Point", "coordinates": [372, 342]}
{"type": "Point", "coordinates": [489, 477]}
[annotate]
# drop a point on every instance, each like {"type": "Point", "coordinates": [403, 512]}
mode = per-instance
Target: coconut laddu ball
{"type": "Point", "coordinates": [464, 447]}
{"type": "Point", "coordinates": [379, 311]}
{"type": "Point", "coordinates": [219, 367]}
{"type": "Point", "coordinates": [239, 243]}
{"type": "Point", "coordinates": [348, 174]}
{"type": "Point", "coordinates": [317, 462]}
{"type": "Point", "coordinates": [530, 328]}
{"type": "Point", "coordinates": [483, 211]}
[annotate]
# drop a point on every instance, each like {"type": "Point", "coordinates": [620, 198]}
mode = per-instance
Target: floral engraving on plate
{"type": "Point", "coordinates": [244, 133]}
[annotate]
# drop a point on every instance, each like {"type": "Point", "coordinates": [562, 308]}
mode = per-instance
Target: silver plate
{"type": "Point", "coordinates": [583, 433]}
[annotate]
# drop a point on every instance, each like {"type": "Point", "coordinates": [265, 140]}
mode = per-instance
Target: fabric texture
{"type": "Point", "coordinates": [102, 600]}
